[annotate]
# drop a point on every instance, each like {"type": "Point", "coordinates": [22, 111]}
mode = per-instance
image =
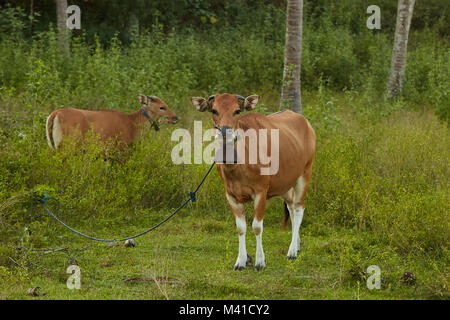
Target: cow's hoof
{"type": "Point", "coordinates": [238, 268]}
{"type": "Point", "coordinates": [249, 260]}
{"type": "Point", "coordinates": [260, 267]}
{"type": "Point", "coordinates": [291, 257]}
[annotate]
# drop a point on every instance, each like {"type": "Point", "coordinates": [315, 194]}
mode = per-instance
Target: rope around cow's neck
{"type": "Point", "coordinates": [154, 124]}
{"type": "Point", "coordinates": [44, 200]}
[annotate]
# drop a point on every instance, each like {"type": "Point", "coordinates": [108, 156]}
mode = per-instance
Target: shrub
{"type": "Point", "coordinates": [391, 178]}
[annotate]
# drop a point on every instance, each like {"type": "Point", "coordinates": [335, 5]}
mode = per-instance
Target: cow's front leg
{"type": "Point", "coordinates": [239, 215]}
{"type": "Point", "coordinates": [257, 225]}
{"type": "Point", "coordinates": [241, 261]}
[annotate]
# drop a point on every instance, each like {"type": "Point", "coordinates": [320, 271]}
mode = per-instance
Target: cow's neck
{"type": "Point", "coordinates": [235, 169]}
{"type": "Point", "coordinates": [139, 118]}
{"type": "Point", "coordinates": [244, 169]}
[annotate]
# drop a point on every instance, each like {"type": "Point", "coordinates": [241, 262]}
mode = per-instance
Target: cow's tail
{"type": "Point", "coordinates": [285, 217]}
{"type": "Point", "coordinates": [49, 129]}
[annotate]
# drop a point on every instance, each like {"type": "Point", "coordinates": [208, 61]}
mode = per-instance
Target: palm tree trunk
{"type": "Point", "coordinates": [61, 8]}
{"type": "Point", "coordinates": [31, 15]}
{"type": "Point", "coordinates": [398, 62]}
{"type": "Point", "coordinates": [291, 90]}
{"type": "Point", "coordinates": [133, 25]}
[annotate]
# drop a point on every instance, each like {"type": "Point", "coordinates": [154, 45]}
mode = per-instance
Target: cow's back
{"type": "Point", "coordinates": [107, 123]}
{"type": "Point", "coordinates": [296, 132]}
{"type": "Point", "coordinates": [296, 149]}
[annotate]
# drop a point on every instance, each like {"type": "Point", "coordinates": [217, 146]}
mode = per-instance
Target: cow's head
{"type": "Point", "coordinates": [158, 109]}
{"type": "Point", "coordinates": [226, 109]}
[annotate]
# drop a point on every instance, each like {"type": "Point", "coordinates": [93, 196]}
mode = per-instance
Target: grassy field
{"type": "Point", "coordinates": [192, 258]}
{"type": "Point", "coordinates": [379, 195]}
{"type": "Point", "coordinates": [196, 255]}
{"type": "Point", "coordinates": [346, 228]}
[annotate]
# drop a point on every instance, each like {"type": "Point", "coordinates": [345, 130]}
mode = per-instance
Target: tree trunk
{"type": "Point", "coordinates": [133, 26]}
{"type": "Point", "coordinates": [398, 62]}
{"type": "Point", "coordinates": [31, 15]}
{"type": "Point", "coordinates": [291, 91]}
{"type": "Point", "coordinates": [63, 34]}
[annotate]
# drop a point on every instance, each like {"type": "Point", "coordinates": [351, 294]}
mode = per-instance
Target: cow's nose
{"type": "Point", "coordinates": [224, 130]}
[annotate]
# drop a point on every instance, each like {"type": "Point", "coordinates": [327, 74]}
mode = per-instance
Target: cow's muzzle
{"type": "Point", "coordinates": [175, 119]}
{"type": "Point", "coordinates": [172, 120]}
{"type": "Point", "coordinates": [226, 134]}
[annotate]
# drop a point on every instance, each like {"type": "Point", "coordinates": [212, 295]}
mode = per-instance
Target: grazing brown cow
{"type": "Point", "coordinates": [244, 182]}
{"type": "Point", "coordinates": [109, 124]}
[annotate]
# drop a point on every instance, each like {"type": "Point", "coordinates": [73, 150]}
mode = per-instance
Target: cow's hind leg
{"type": "Point", "coordinates": [238, 211]}
{"type": "Point", "coordinates": [296, 215]}
{"type": "Point", "coordinates": [295, 199]}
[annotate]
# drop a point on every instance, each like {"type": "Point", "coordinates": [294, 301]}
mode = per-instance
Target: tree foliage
{"type": "Point", "coordinates": [107, 17]}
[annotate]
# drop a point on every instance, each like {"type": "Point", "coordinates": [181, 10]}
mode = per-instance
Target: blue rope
{"type": "Point", "coordinates": [153, 122]}
{"type": "Point", "coordinates": [192, 198]}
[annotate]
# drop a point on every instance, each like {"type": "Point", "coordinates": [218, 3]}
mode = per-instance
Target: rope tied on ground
{"type": "Point", "coordinates": [43, 201]}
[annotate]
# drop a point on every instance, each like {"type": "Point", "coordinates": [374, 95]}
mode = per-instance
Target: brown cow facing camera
{"type": "Point", "coordinates": [244, 182]}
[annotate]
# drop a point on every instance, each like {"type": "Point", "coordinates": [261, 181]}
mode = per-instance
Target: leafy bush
{"type": "Point", "coordinates": [391, 178]}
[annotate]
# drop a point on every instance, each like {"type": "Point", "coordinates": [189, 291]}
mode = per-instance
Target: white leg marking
{"type": "Point", "coordinates": [256, 199]}
{"type": "Point", "coordinates": [299, 218]}
{"type": "Point", "coordinates": [242, 256]}
{"type": "Point", "coordinates": [257, 226]}
{"type": "Point", "coordinates": [260, 261]}
{"type": "Point", "coordinates": [296, 218]}
{"type": "Point", "coordinates": [241, 225]}
{"type": "Point", "coordinates": [57, 132]}
{"type": "Point", "coordinates": [233, 203]}
{"type": "Point", "coordinates": [296, 215]}
{"type": "Point", "coordinates": [299, 188]}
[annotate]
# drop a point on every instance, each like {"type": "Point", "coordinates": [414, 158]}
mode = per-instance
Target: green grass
{"type": "Point", "coordinates": [197, 256]}
{"type": "Point", "coordinates": [379, 195]}
{"type": "Point", "coordinates": [377, 198]}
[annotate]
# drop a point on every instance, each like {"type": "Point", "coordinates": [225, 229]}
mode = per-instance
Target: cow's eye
{"type": "Point", "coordinates": [162, 108]}
{"type": "Point", "coordinates": [236, 112]}
{"type": "Point", "coordinates": [214, 111]}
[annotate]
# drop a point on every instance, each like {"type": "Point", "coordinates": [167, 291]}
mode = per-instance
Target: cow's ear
{"type": "Point", "coordinates": [142, 98]}
{"type": "Point", "coordinates": [251, 102]}
{"type": "Point", "coordinates": [201, 104]}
